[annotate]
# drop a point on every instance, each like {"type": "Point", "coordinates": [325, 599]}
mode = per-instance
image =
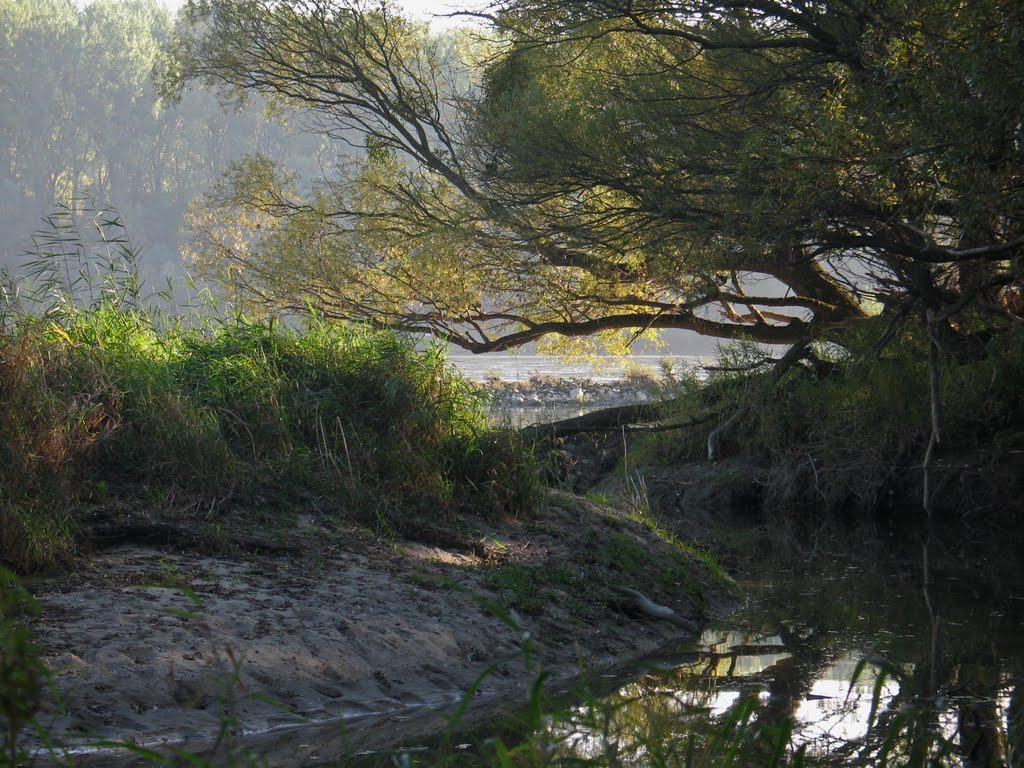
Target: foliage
{"type": "Point", "coordinates": [743, 170]}
{"type": "Point", "coordinates": [103, 401]}
{"type": "Point", "coordinates": [844, 436]}
{"type": "Point", "coordinates": [22, 671]}
{"type": "Point", "coordinates": [360, 420]}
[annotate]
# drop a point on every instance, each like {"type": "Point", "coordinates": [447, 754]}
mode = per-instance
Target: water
{"type": "Point", "coordinates": [601, 369]}
{"type": "Point", "coordinates": [842, 669]}
{"type": "Point", "coordinates": [542, 389]}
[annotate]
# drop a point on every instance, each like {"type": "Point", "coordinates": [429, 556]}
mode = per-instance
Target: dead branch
{"type": "Point", "coordinates": [604, 420]}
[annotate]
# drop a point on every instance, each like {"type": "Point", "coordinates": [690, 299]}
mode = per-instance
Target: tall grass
{"type": "Point", "coordinates": [23, 673]}
{"type": "Point", "coordinates": [108, 400]}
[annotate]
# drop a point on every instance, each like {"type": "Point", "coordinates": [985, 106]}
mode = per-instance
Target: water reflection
{"type": "Point", "coordinates": [839, 680]}
{"type": "Point", "coordinates": [844, 669]}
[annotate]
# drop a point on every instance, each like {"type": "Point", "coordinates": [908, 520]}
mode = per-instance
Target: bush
{"type": "Point", "coordinates": [849, 436]}
{"type": "Point", "coordinates": [105, 406]}
{"type": "Point", "coordinates": [107, 400]}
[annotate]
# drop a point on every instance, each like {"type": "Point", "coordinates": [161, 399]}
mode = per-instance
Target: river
{"type": "Point", "coordinates": [840, 667]}
{"type": "Point", "coordinates": [603, 369]}
{"type": "Point", "coordinates": [846, 663]}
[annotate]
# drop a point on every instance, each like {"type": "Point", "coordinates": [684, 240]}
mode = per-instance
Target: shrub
{"type": "Point", "coordinates": [105, 405]}
{"type": "Point", "coordinates": [843, 436]}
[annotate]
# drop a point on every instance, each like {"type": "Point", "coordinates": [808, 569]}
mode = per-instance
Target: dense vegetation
{"type": "Point", "coordinates": [839, 441]}
{"type": "Point", "coordinates": [845, 177]}
{"type": "Point", "coordinates": [108, 403]}
{"type": "Point", "coordinates": [104, 408]}
{"type": "Point", "coordinates": [749, 170]}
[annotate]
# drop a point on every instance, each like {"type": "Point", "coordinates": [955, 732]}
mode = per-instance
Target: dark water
{"type": "Point", "coordinates": [849, 668]}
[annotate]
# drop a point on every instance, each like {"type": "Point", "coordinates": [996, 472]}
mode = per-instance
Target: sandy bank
{"type": "Point", "coordinates": [292, 654]}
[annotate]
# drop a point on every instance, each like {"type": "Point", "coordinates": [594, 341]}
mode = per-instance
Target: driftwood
{"type": "Point", "coordinates": [622, 418]}
{"type": "Point", "coordinates": [606, 419]}
{"type": "Point", "coordinates": [652, 610]}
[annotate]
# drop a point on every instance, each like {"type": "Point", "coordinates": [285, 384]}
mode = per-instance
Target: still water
{"type": "Point", "coordinates": [600, 369]}
{"type": "Point", "coordinates": [843, 668]}
{"type": "Point", "coordinates": [839, 665]}
{"type": "Point", "coordinates": [850, 668]}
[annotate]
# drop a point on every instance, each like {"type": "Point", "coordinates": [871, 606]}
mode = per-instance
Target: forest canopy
{"type": "Point", "coordinates": [753, 169]}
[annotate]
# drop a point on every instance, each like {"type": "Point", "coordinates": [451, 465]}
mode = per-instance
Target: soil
{"type": "Point", "coordinates": [339, 641]}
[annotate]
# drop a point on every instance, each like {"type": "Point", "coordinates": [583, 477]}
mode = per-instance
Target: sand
{"type": "Point", "coordinates": [310, 656]}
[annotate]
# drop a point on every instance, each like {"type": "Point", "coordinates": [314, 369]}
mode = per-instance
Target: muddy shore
{"type": "Point", "coordinates": [345, 642]}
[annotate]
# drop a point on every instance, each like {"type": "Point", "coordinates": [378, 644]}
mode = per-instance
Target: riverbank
{"type": "Point", "coordinates": [284, 533]}
{"type": "Point", "coordinates": [165, 648]}
{"type": "Point", "coordinates": [237, 528]}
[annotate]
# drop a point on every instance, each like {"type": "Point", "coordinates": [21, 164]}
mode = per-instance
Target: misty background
{"type": "Point", "coordinates": [81, 125]}
{"type": "Point", "coordinates": [79, 118]}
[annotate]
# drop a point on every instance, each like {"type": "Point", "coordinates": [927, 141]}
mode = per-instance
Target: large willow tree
{"type": "Point", "coordinates": [763, 169]}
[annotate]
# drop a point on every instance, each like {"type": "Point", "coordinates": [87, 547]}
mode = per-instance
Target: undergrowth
{"type": "Point", "coordinates": [108, 400]}
{"type": "Point", "coordinates": [848, 435]}
{"type": "Point", "coordinates": [104, 406]}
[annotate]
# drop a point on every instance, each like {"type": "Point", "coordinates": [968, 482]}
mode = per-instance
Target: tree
{"type": "Point", "coordinates": [79, 119]}
{"type": "Point", "coordinates": [33, 104]}
{"type": "Point", "coordinates": [747, 169]}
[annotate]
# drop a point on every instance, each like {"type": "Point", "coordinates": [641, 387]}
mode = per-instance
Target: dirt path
{"type": "Point", "coordinates": [166, 649]}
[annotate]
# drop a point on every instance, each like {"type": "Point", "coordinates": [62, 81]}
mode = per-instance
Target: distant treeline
{"type": "Point", "coordinates": [79, 115]}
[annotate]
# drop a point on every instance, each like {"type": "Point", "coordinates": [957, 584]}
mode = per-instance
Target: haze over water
{"type": "Point", "coordinates": [602, 369]}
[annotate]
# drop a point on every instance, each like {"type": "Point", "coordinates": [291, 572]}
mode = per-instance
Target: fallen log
{"type": "Point", "coordinates": [622, 418]}
{"type": "Point", "coordinates": [647, 607]}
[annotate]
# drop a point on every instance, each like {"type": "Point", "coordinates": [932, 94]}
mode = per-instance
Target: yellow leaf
{"type": "Point", "coordinates": [62, 333]}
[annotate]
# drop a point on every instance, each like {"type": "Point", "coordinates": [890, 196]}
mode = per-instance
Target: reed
{"type": "Point", "coordinates": [107, 399]}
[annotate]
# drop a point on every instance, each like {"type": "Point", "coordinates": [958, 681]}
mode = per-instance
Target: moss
{"type": "Point", "coordinates": [431, 581]}
{"type": "Point", "coordinates": [522, 588]}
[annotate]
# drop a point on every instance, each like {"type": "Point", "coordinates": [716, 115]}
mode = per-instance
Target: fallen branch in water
{"type": "Point", "coordinates": [715, 436]}
{"type": "Point", "coordinates": [606, 419]}
{"type": "Point", "coordinates": [694, 422]}
{"type": "Point", "coordinates": [571, 427]}
{"type": "Point", "coordinates": [653, 610]}
{"type": "Point", "coordinates": [739, 368]}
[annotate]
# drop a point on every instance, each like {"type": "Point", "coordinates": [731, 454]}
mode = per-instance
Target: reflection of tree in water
{"type": "Point", "coordinates": [1015, 723]}
{"type": "Point", "coordinates": [946, 716]}
{"type": "Point", "coordinates": [791, 679]}
{"type": "Point", "coordinates": [743, 695]}
{"type": "Point", "coordinates": [981, 737]}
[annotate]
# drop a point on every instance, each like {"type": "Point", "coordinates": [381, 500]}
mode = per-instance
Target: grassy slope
{"type": "Point", "coordinates": [101, 410]}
